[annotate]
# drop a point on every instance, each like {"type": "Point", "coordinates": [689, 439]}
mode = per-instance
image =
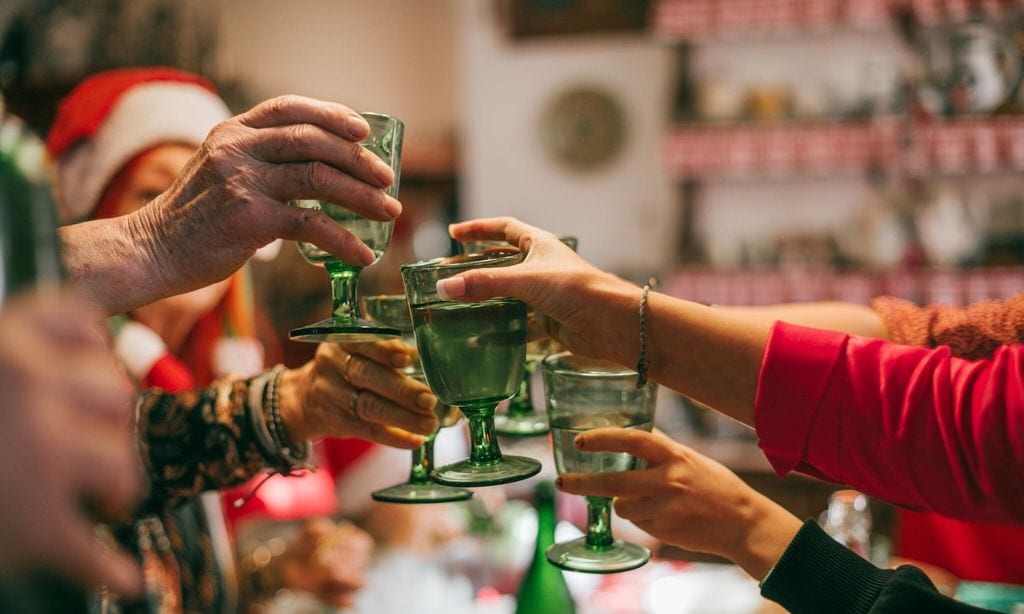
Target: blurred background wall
{"type": "Point", "coordinates": [734, 147]}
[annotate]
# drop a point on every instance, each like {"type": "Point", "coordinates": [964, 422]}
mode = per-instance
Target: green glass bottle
{"type": "Point", "coordinates": [543, 589]}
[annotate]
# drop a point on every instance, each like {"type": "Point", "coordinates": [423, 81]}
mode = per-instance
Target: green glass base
{"type": "Point", "coordinates": [467, 473]}
{"type": "Point", "coordinates": [421, 493]}
{"type": "Point", "coordinates": [532, 424]}
{"type": "Point", "coordinates": [578, 556]}
{"type": "Point", "coordinates": [339, 330]}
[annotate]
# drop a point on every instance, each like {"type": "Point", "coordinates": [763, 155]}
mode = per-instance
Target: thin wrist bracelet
{"type": "Point", "coordinates": [641, 362]}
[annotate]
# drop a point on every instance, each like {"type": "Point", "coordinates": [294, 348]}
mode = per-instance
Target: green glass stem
{"type": "Point", "coordinates": [344, 283]}
{"type": "Point", "coordinates": [599, 522]}
{"type": "Point", "coordinates": [423, 462]}
{"type": "Point", "coordinates": [484, 444]}
{"type": "Point", "coordinates": [522, 404]}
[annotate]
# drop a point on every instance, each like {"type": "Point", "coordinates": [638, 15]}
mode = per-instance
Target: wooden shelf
{"type": "Point", "coordinates": [837, 148]}
{"type": "Point", "coordinates": [725, 19]}
{"type": "Point", "coordinates": [766, 286]}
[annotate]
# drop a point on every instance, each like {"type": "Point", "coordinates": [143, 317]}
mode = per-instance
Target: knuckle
{"type": "Point", "coordinates": [319, 176]}
{"type": "Point", "coordinates": [280, 104]}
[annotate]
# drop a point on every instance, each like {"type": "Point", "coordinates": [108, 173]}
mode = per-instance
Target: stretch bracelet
{"type": "Point", "coordinates": [641, 361]}
{"type": "Point", "coordinates": [272, 402]}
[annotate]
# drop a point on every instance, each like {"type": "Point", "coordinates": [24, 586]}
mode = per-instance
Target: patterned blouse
{"type": "Point", "coordinates": [195, 441]}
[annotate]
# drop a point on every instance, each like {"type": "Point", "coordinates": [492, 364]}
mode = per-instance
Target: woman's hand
{"type": "Point", "coordinates": [687, 499]}
{"type": "Point", "coordinates": [571, 295]}
{"type": "Point", "coordinates": [328, 560]}
{"type": "Point", "coordinates": [355, 390]}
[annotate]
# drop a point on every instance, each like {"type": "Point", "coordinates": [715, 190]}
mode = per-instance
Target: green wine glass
{"type": "Point", "coordinates": [584, 394]}
{"type": "Point", "coordinates": [393, 310]}
{"type": "Point", "coordinates": [346, 323]}
{"type": "Point", "coordinates": [472, 355]}
{"type": "Point", "coordinates": [520, 419]}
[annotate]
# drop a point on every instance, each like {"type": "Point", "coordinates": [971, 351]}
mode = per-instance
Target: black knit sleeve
{"type": "Point", "coordinates": [817, 574]}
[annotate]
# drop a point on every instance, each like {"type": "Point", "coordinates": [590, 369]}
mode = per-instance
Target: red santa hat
{"type": "Point", "coordinates": [115, 115]}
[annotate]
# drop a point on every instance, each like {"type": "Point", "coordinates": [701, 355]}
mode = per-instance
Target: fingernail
{"type": "Point", "coordinates": [400, 359]}
{"type": "Point", "coordinates": [426, 400]}
{"type": "Point", "coordinates": [367, 256]}
{"type": "Point", "coordinates": [393, 207]}
{"type": "Point", "coordinates": [358, 128]}
{"type": "Point", "coordinates": [558, 482]}
{"type": "Point", "coordinates": [451, 288]}
{"type": "Point", "coordinates": [579, 441]}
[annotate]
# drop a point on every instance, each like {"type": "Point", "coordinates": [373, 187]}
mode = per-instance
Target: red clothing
{"type": "Point", "coordinates": [944, 434]}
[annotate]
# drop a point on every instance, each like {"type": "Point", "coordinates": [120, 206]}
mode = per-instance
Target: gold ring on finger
{"type": "Point", "coordinates": [344, 367]}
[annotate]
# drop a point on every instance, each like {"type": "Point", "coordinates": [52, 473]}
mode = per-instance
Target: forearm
{"type": "Point", "coordinates": [849, 318]}
{"type": "Point", "coordinates": [709, 354]}
{"type": "Point", "coordinates": [111, 262]}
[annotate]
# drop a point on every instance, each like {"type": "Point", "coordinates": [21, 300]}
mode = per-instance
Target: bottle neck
{"type": "Point", "coordinates": [546, 519]}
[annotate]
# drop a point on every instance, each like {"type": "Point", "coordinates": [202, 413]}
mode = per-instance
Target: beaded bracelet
{"type": "Point", "coordinates": [272, 402]}
{"type": "Point", "coordinates": [641, 362]}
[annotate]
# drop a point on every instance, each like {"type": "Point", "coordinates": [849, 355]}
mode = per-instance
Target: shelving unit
{"type": "Point", "coordinates": [766, 286]}
{"type": "Point", "coordinates": [724, 19]}
{"type": "Point", "coordinates": [776, 151]}
{"type": "Point", "coordinates": [844, 148]}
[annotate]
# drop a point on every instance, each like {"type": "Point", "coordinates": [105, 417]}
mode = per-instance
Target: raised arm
{"type": "Point", "coordinates": [911, 425]}
{"type": "Point", "coordinates": [231, 200]}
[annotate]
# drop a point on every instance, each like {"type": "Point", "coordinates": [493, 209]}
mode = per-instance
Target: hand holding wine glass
{"type": "Point", "coordinates": [583, 394]}
{"type": "Point", "coordinates": [686, 499]}
{"type": "Point", "coordinates": [346, 323]}
{"type": "Point", "coordinates": [231, 200]}
{"type": "Point", "coordinates": [393, 311]}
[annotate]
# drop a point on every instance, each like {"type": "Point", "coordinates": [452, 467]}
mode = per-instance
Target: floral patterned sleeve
{"type": "Point", "coordinates": [971, 332]}
{"type": "Point", "coordinates": [203, 439]}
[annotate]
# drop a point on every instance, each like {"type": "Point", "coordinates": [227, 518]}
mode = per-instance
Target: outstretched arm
{"type": "Point", "coordinates": [232, 199]}
{"type": "Point", "coordinates": [846, 408]}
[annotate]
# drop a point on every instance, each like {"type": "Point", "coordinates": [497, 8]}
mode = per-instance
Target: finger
{"type": "Point", "coordinates": [319, 181]}
{"type": "Point", "coordinates": [104, 466]}
{"type": "Point", "coordinates": [340, 416]}
{"type": "Point", "coordinates": [484, 283]}
{"type": "Point", "coordinates": [93, 384]}
{"type": "Point", "coordinates": [306, 142]}
{"type": "Point", "coordinates": [498, 228]}
{"type": "Point", "coordinates": [68, 321]}
{"type": "Point", "coordinates": [312, 226]}
{"type": "Point", "coordinates": [285, 110]}
{"type": "Point", "coordinates": [635, 509]}
{"type": "Point", "coordinates": [370, 407]}
{"type": "Point", "coordinates": [395, 352]}
{"type": "Point", "coordinates": [612, 484]}
{"type": "Point", "coordinates": [392, 386]}
{"type": "Point", "coordinates": [79, 556]}
{"type": "Point", "coordinates": [390, 436]}
{"type": "Point", "coordinates": [655, 449]}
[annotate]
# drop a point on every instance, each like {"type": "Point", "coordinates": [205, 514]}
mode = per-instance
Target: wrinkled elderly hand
{"type": "Point", "coordinates": [328, 560]}
{"type": "Point", "coordinates": [686, 499]}
{"type": "Point", "coordinates": [232, 199]}
{"type": "Point", "coordinates": [66, 444]}
{"type": "Point", "coordinates": [566, 291]}
{"type": "Point", "coordinates": [355, 390]}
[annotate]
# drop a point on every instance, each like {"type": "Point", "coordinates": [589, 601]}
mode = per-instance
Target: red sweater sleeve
{"type": "Point", "coordinates": [913, 426]}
